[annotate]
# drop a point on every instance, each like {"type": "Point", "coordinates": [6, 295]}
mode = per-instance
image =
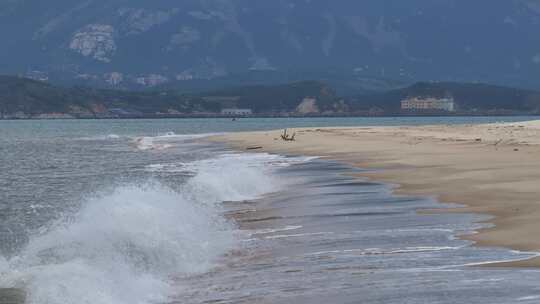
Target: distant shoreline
{"type": "Point", "coordinates": [491, 168]}
{"type": "Point", "coordinates": [274, 116]}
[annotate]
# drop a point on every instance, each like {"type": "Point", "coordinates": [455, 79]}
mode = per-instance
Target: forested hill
{"type": "Point", "coordinates": [24, 98]}
{"type": "Point", "coordinates": [284, 98]}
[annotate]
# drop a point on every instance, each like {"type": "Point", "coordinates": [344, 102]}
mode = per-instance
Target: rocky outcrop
{"type": "Point", "coordinates": [184, 38]}
{"type": "Point", "coordinates": [95, 41]}
{"type": "Point", "coordinates": [308, 106]}
{"type": "Point", "coordinates": [137, 21]}
{"type": "Point", "coordinates": [152, 80]}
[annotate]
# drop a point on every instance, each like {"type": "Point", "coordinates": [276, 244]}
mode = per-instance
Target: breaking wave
{"type": "Point", "coordinates": [165, 141]}
{"type": "Point", "coordinates": [127, 245]}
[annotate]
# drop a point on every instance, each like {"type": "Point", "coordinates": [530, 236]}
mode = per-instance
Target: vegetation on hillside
{"type": "Point", "coordinates": [280, 98]}
{"type": "Point", "coordinates": [19, 95]}
{"type": "Point", "coordinates": [22, 98]}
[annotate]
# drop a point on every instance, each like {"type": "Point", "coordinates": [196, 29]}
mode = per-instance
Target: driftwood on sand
{"type": "Point", "coordinates": [287, 137]}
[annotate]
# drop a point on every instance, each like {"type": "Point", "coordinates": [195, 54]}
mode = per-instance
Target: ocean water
{"type": "Point", "coordinates": [147, 211]}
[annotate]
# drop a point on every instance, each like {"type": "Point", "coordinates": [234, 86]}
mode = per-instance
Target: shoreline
{"type": "Point", "coordinates": [492, 169]}
{"type": "Point", "coordinates": [68, 116]}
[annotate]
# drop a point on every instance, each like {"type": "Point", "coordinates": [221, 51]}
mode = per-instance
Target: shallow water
{"type": "Point", "coordinates": [328, 238]}
{"type": "Point", "coordinates": [143, 211]}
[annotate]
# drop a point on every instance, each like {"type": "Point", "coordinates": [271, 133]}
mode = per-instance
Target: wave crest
{"type": "Point", "coordinates": [122, 248]}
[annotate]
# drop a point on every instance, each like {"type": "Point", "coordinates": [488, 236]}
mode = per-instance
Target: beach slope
{"type": "Point", "coordinates": [491, 168]}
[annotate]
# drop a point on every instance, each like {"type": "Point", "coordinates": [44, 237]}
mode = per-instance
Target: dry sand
{"type": "Point", "coordinates": [492, 168]}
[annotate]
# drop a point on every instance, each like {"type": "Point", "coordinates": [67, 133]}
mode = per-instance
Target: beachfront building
{"type": "Point", "coordinates": [428, 104]}
{"type": "Point", "coordinates": [236, 112]}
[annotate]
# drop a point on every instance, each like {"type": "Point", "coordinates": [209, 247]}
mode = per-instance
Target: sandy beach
{"type": "Point", "coordinates": [491, 168]}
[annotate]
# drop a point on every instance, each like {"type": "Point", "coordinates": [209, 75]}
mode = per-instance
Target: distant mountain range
{"type": "Point", "coordinates": [141, 43]}
{"type": "Point", "coordinates": [26, 98]}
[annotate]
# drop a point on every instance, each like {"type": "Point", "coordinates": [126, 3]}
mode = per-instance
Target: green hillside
{"type": "Point", "coordinates": [25, 98]}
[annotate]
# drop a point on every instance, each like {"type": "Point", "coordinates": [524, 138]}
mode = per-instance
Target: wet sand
{"type": "Point", "coordinates": [331, 237]}
{"type": "Point", "coordinates": [493, 168]}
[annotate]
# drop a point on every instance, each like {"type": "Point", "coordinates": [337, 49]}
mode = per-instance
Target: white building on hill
{"type": "Point", "coordinates": [428, 103]}
{"type": "Point", "coordinates": [236, 112]}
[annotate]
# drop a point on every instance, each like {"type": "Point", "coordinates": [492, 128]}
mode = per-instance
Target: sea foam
{"type": "Point", "coordinates": [126, 246]}
{"type": "Point", "coordinates": [165, 141]}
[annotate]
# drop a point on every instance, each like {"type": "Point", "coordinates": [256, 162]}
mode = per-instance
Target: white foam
{"type": "Point", "coordinates": [121, 248]}
{"type": "Point", "coordinates": [165, 141]}
{"type": "Point", "coordinates": [233, 177]}
{"type": "Point", "coordinates": [529, 298]}
{"type": "Point", "coordinates": [379, 251]}
{"type": "Point", "coordinates": [285, 236]}
{"type": "Point", "coordinates": [509, 260]}
{"type": "Point", "coordinates": [268, 231]}
{"type": "Point", "coordinates": [148, 143]}
{"type": "Point", "coordinates": [167, 168]}
{"type": "Point", "coordinates": [102, 137]}
{"type": "Point", "coordinates": [124, 246]}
